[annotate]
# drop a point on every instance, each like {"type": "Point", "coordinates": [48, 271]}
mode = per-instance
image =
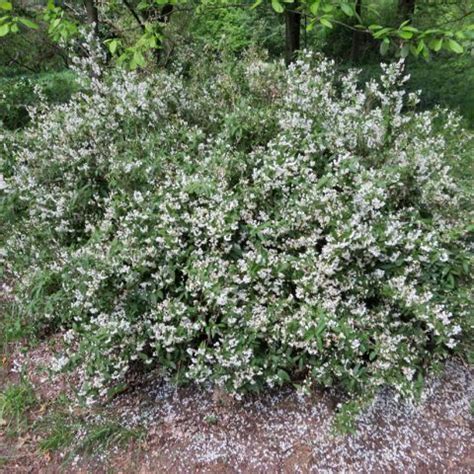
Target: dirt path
{"type": "Point", "coordinates": [191, 430]}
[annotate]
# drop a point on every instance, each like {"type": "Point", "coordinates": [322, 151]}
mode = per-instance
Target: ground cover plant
{"type": "Point", "coordinates": [243, 224]}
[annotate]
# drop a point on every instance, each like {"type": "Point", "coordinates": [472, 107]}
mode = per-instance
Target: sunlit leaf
{"type": "Point", "coordinates": [436, 44]}
{"type": "Point", "coordinates": [455, 46]}
{"type": "Point", "coordinates": [347, 9]}
{"type": "Point", "coordinates": [5, 6]}
{"type": "Point", "coordinates": [325, 22]}
{"type": "Point", "coordinates": [277, 6]}
{"type": "Point", "coordinates": [28, 23]}
{"type": "Point", "coordinates": [4, 30]}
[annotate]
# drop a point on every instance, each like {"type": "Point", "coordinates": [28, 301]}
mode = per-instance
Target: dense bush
{"type": "Point", "coordinates": [249, 226]}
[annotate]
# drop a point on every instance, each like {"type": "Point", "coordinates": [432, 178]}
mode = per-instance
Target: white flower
{"type": "Point", "coordinates": [355, 344]}
{"type": "Point", "coordinates": [3, 184]}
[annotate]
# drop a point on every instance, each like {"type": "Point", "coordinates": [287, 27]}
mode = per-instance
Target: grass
{"type": "Point", "coordinates": [13, 327]}
{"type": "Point", "coordinates": [58, 427]}
{"type": "Point", "coordinates": [63, 431]}
{"type": "Point", "coordinates": [16, 400]}
{"type": "Point", "coordinates": [60, 436]}
{"type": "Point", "coordinates": [103, 436]}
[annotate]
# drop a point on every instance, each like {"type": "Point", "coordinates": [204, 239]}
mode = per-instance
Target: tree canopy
{"type": "Point", "coordinates": [131, 30]}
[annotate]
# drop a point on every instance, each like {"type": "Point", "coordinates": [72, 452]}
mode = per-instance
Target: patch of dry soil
{"type": "Point", "coordinates": [190, 431]}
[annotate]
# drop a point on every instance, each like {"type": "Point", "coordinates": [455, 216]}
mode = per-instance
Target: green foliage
{"type": "Point", "coordinates": [30, 52]}
{"type": "Point", "coordinates": [18, 93]}
{"type": "Point", "coordinates": [406, 37]}
{"type": "Point", "coordinates": [223, 21]}
{"type": "Point", "coordinates": [72, 435]}
{"type": "Point", "coordinates": [346, 416]}
{"type": "Point", "coordinates": [447, 82]}
{"type": "Point", "coordinates": [11, 24]}
{"type": "Point", "coordinates": [60, 26]}
{"type": "Point", "coordinates": [232, 29]}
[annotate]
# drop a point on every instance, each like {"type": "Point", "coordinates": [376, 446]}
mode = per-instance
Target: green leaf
{"type": "Point", "coordinates": [113, 46]}
{"type": "Point", "coordinates": [315, 7]}
{"type": "Point", "coordinates": [382, 32]}
{"type": "Point", "coordinates": [4, 29]}
{"type": "Point", "coordinates": [143, 6]}
{"type": "Point", "coordinates": [347, 9]}
{"type": "Point", "coordinates": [277, 6]}
{"type": "Point", "coordinates": [325, 22]}
{"type": "Point", "coordinates": [425, 52]}
{"type": "Point", "coordinates": [138, 58]}
{"type": "Point", "coordinates": [455, 46]}
{"type": "Point", "coordinates": [404, 50]}
{"type": "Point", "coordinates": [420, 48]}
{"type": "Point", "coordinates": [310, 25]}
{"type": "Point", "coordinates": [436, 44]}
{"type": "Point", "coordinates": [6, 6]}
{"type": "Point", "coordinates": [405, 34]}
{"type": "Point", "coordinates": [384, 46]}
{"type": "Point", "coordinates": [283, 376]}
{"type": "Point", "coordinates": [28, 23]}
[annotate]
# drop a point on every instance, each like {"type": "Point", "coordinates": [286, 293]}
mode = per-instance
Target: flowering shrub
{"type": "Point", "coordinates": [248, 227]}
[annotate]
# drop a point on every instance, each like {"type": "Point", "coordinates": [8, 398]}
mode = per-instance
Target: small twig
{"type": "Point", "coordinates": [455, 20]}
{"type": "Point", "coordinates": [134, 14]}
{"type": "Point", "coordinates": [16, 61]}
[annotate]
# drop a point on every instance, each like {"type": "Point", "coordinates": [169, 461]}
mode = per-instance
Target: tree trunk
{"type": "Point", "coordinates": [357, 36]}
{"type": "Point", "coordinates": [164, 17]}
{"type": "Point", "coordinates": [406, 8]}
{"type": "Point", "coordinates": [292, 32]}
{"type": "Point", "coordinates": [92, 15]}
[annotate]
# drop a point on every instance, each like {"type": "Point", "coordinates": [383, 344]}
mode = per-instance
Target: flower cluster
{"type": "Point", "coordinates": [257, 226]}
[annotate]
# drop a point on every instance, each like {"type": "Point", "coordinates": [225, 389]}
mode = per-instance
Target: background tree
{"type": "Point", "coordinates": [147, 33]}
{"type": "Point", "coordinates": [406, 8]}
{"type": "Point", "coordinates": [92, 15]}
{"type": "Point", "coordinates": [293, 17]}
